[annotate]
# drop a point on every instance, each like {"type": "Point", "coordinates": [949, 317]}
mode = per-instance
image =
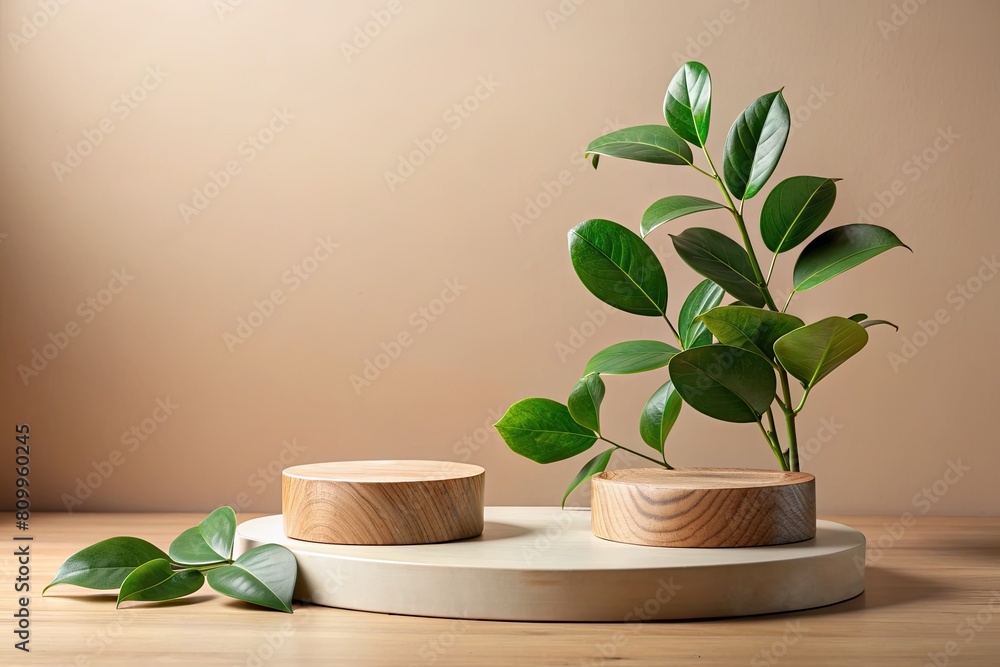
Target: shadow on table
{"type": "Point", "coordinates": [885, 588]}
{"type": "Point", "coordinates": [495, 530]}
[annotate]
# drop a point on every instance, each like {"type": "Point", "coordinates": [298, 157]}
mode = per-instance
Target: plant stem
{"type": "Point", "coordinates": [774, 447]}
{"type": "Point", "coordinates": [670, 324]}
{"type": "Point", "coordinates": [793, 447]}
{"type": "Point", "coordinates": [793, 443]}
{"type": "Point", "coordinates": [632, 451]}
{"type": "Point", "coordinates": [802, 403]}
{"type": "Point", "coordinates": [788, 301]}
{"type": "Point", "coordinates": [770, 270]}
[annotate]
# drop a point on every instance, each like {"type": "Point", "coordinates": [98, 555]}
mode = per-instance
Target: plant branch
{"type": "Point", "coordinates": [802, 403]}
{"type": "Point", "coordinates": [632, 451]}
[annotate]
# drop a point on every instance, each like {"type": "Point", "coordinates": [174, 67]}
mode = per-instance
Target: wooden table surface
{"type": "Point", "coordinates": [933, 588]}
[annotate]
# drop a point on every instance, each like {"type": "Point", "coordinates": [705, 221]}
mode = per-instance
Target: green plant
{"type": "Point", "coordinates": [731, 362]}
{"type": "Point", "coordinates": [264, 575]}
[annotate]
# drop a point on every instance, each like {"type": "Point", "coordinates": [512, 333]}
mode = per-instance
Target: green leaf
{"type": "Point", "coordinates": [687, 106]}
{"type": "Point", "coordinates": [209, 542]}
{"type": "Point", "coordinates": [754, 145]}
{"type": "Point", "coordinates": [633, 356]}
{"type": "Point", "coordinates": [720, 259]}
{"type": "Point", "coordinates": [585, 402]}
{"type": "Point", "coordinates": [859, 318]}
{"type": "Point", "coordinates": [618, 267]}
{"type": "Point", "coordinates": [671, 208]}
{"type": "Point", "coordinates": [589, 469]}
{"type": "Point", "coordinates": [105, 565]}
{"type": "Point", "coordinates": [813, 351]}
{"type": "Point", "coordinates": [795, 209]}
{"type": "Point", "coordinates": [156, 580]}
{"type": "Point", "coordinates": [724, 382]}
{"type": "Point", "coordinates": [705, 296]}
{"type": "Point", "coordinates": [544, 431]}
{"type": "Point", "coordinates": [645, 143]}
{"type": "Point", "coordinates": [872, 323]}
{"type": "Point", "coordinates": [840, 249]}
{"type": "Point", "coordinates": [752, 329]}
{"type": "Point", "coordinates": [659, 416]}
{"type": "Point", "coordinates": [265, 576]}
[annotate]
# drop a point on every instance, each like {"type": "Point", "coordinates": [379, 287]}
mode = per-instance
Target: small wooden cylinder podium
{"type": "Point", "coordinates": [703, 507]}
{"type": "Point", "coordinates": [382, 502]}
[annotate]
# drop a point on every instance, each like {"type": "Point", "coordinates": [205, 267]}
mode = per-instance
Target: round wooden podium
{"type": "Point", "coordinates": [382, 502]}
{"type": "Point", "coordinates": [545, 564]}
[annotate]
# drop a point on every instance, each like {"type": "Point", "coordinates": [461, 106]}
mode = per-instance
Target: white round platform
{"type": "Point", "coordinates": [544, 564]}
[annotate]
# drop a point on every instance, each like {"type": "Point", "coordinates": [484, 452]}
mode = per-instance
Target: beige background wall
{"type": "Point", "coordinates": [870, 85]}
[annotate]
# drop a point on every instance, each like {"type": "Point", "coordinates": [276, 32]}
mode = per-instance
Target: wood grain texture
{"type": "Point", "coordinates": [383, 502]}
{"type": "Point", "coordinates": [544, 564]}
{"type": "Point", "coordinates": [923, 580]}
{"type": "Point", "coordinates": [703, 507]}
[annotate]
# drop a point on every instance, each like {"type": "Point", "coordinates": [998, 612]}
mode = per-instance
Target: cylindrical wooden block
{"type": "Point", "coordinates": [703, 507]}
{"type": "Point", "coordinates": [382, 502]}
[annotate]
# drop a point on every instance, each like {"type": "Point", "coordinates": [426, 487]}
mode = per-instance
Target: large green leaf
{"type": "Point", "coordinates": [618, 267]}
{"type": "Point", "coordinates": [659, 415]}
{"type": "Point", "coordinates": [105, 565]}
{"type": "Point", "coordinates": [795, 209]}
{"type": "Point", "coordinates": [595, 465]}
{"type": "Point", "coordinates": [840, 249]}
{"type": "Point", "coordinates": [721, 260]}
{"type": "Point", "coordinates": [724, 382]}
{"type": "Point", "coordinates": [265, 576]}
{"type": "Point", "coordinates": [753, 329]}
{"type": "Point", "coordinates": [705, 296]}
{"type": "Point", "coordinates": [544, 431]}
{"type": "Point", "coordinates": [645, 143]}
{"type": "Point", "coordinates": [754, 145]}
{"type": "Point", "coordinates": [632, 356]}
{"type": "Point", "coordinates": [813, 351]}
{"type": "Point", "coordinates": [156, 580]}
{"type": "Point", "coordinates": [671, 208]}
{"type": "Point", "coordinates": [209, 542]}
{"type": "Point", "coordinates": [585, 401]}
{"type": "Point", "coordinates": [687, 106]}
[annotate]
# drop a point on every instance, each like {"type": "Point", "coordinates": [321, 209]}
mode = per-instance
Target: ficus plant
{"type": "Point", "coordinates": [735, 362]}
{"type": "Point", "coordinates": [263, 576]}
